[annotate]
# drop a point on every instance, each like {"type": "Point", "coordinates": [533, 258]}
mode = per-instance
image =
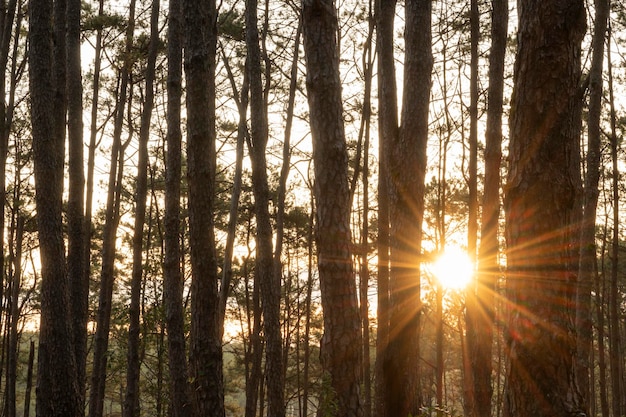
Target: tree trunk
{"type": "Point", "coordinates": [180, 393]}
{"type": "Point", "coordinates": [480, 344]}
{"type": "Point", "coordinates": [387, 132]}
{"type": "Point", "coordinates": [103, 320]}
{"type": "Point", "coordinates": [615, 356]}
{"type": "Point", "coordinates": [471, 301]}
{"type": "Point", "coordinates": [541, 212]}
{"type": "Point", "coordinates": [407, 169]}
{"type": "Point", "coordinates": [58, 393]}
{"type": "Point", "coordinates": [131, 402]}
{"type": "Point", "coordinates": [588, 255]}
{"type": "Point", "coordinates": [79, 285]}
{"type": "Point", "coordinates": [205, 340]}
{"type": "Point", "coordinates": [269, 282]}
{"type": "Point", "coordinates": [341, 343]}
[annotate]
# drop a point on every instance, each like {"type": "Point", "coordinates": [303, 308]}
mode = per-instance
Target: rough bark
{"type": "Point", "coordinates": [341, 344]}
{"type": "Point", "coordinates": [57, 388]}
{"type": "Point", "coordinates": [264, 261]}
{"type": "Point", "coordinates": [79, 292]}
{"type": "Point", "coordinates": [172, 277]}
{"type": "Point", "coordinates": [480, 343]}
{"type": "Point", "coordinates": [387, 131]}
{"type": "Point", "coordinates": [200, 23]}
{"type": "Point", "coordinates": [407, 169]}
{"type": "Point", "coordinates": [541, 214]}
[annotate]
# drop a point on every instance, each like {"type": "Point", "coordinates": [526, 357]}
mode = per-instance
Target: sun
{"type": "Point", "coordinates": [453, 268]}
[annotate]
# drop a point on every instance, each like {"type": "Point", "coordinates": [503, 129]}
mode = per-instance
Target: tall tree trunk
{"type": "Point", "coordinates": [264, 261]}
{"type": "Point", "coordinates": [29, 378]}
{"type": "Point", "coordinates": [615, 356]}
{"type": "Point", "coordinates": [131, 402]}
{"type": "Point", "coordinates": [6, 28]}
{"type": "Point", "coordinates": [91, 156]}
{"type": "Point", "coordinates": [58, 393]}
{"type": "Point", "coordinates": [387, 132]}
{"type": "Point", "coordinates": [600, 288]}
{"type": "Point", "coordinates": [200, 19]}
{"type": "Point", "coordinates": [79, 285]}
{"type": "Point", "coordinates": [407, 169]}
{"type": "Point", "coordinates": [341, 343]}
{"type": "Point", "coordinates": [15, 250]}
{"type": "Point", "coordinates": [112, 217]}
{"type": "Point", "coordinates": [180, 393]}
{"type": "Point", "coordinates": [471, 301]}
{"type": "Point", "coordinates": [541, 212]}
{"type": "Point", "coordinates": [588, 255]}
{"type": "Point", "coordinates": [480, 335]}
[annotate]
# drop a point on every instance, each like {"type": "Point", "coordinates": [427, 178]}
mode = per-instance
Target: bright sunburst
{"type": "Point", "coordinates": [453, 268]}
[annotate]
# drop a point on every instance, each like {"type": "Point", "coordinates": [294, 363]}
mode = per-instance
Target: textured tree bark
{"type": "Point", "coordinates": [407, 168]}
{"type": "Point", "coordinates": [480, 336]}
{"type": "Point", "coordinates": [180, 393]}
{"type": "Point", "coordinates": [200, 23]}
{"type": "Point", "coordinates": [341, 344]}
{"type": "Point", "coordinates": [542, 190]}
{"type": "Point", "coordinates": [387, 131]}
{"type": "Point", "coordinates": [58, 393]}
{"type": "Point", "coordinates": [268, 280]}
{"type": "Point", "coordinates": [79, 285]}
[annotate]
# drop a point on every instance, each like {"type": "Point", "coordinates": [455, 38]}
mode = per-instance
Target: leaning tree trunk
{"type": "Point", "coordinates": [341, 344]}
{"type": "Point", "coordinates": [543, 185]}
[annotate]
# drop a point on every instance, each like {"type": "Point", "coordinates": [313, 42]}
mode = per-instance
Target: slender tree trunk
{"type": "Point", "coordinates": [180, 393]}
{"type": "Point", "coordinates": [588, 255]}
{"type": "Point", "coordinates": [15, 250]}
{"type": "Point", "coordinates": [387, 132]}
{"type": "Point", "coordinates": [79, 285]}
{"type": "Point", "coordinates": [480, 335]}
{"type": "Point", "coordinates": [471, 301]}
{"type": "Point", "coordinates": [29, 378]}
{"type": "Point", "coordinates": [341, 343]}
{"type": "Point", "coordinates": [131, 402]}
{"type": "Point", "coordinates": [269, 282]}
{"type": "Point", "coordinates": [615, 356]}
{"type": "Point", "coordinates": [91, 158]}
{"type": "Point", "coordinates": [205, 340]}
{"type": "Point", "coordinates": [242, 135]}
{"type": "Point", "coordinates": [7, 17]}
{"type": "Point", "coordinates": [600, 289]}
{"type": "Point", "coordinates": [541, 211]}
{"type": "Point", "coordinates": [112, 217]}
{"type": "Point", "coordinates": [58, 394]}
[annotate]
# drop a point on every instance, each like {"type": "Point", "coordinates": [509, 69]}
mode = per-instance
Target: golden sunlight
{"type": "Point", "coordinates": [453, 268]}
